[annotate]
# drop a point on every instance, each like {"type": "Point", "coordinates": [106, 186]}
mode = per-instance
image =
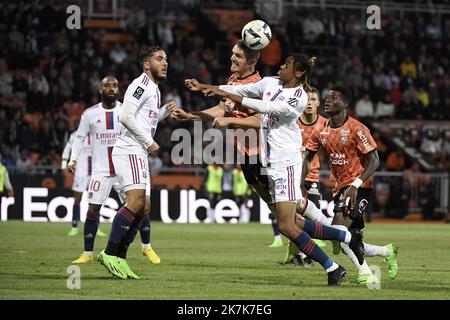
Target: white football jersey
{"type": "Point", "coordinates": [280, 136]}
{"type": "Point", "coordinates": [145, 95]}
{"type": "Point", "coordinates": [84, 163]}
{"type": "Point", "coordinates": [103, 127]}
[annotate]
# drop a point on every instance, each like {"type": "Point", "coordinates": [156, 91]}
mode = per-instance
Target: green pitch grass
{"type": "Point", "coordinates": [215, 262]}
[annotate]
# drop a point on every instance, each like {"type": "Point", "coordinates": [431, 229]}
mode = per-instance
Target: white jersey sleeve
{"type": "Point", "coordinates": [68, 146]}
{"type": "Point", "coordinates": [83, 127]}
{"type": "Point", "coordinates": [292, 108]}
{"type": "Point", "coordinates": [81, 134]}
{"type": "Point", "coordinates": [163, 113]}
{"type": "Point", "coordinates": [134, 99]}
{"type": "Point", "coordinates": [252, 90]}
{"type": "Point", "coordinates": [142, 103]}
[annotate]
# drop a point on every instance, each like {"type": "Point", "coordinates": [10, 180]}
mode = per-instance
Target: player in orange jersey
{"type": "Point", "coordinates": [352, 158]}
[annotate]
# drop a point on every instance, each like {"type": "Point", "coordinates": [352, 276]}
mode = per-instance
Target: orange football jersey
{"type": "Point", "coordinates": [236, 110]}
{"type": "Point", "coordinates": [345, 148]}
{"type": "Point", "coordinates": [307, 129]}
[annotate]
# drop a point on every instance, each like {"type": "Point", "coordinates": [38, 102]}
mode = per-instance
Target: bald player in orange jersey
{"type": "Point", "coordinates": [229, 113]}
{"type": "Point", "coordinates": [352, 158]}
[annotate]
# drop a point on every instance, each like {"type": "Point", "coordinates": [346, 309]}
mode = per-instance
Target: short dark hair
{"type": "Point", "coordinates": [346, 94]}
{"type": "Point", "coordinates": [147, 52]}
{"type": "Point", "coordinates": [248, 53]}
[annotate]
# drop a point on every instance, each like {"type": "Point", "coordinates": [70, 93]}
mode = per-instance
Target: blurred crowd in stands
{"type": "Point", "coordinates": [49, 74]}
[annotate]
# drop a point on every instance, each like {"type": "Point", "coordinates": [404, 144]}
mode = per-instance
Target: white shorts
{"type": "Point", "coordinates": [132, 171]}
{"type": "Point", "coordinates": [80, 182]}
{"type": "Point", "coordinates": [100, 188]}
{"type": "Point", "coordinates": [285, 183]}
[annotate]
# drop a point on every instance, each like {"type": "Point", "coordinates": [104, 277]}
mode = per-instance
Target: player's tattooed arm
{"type": "Point", "coordinates": [373, 161]}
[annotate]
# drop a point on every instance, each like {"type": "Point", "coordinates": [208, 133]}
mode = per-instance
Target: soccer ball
{"type": "Point", "coordinates": [256, 34]}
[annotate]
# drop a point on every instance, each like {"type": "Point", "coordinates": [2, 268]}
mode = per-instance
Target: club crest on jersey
{"type": "Point", "coordinates": [292, 101]}
{"type": "Point", "coordinates": [138, 93]}
{"type": "Point", "coordinates": [280, 185]}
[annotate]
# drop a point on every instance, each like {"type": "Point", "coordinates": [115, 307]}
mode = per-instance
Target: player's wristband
{"type": "Point", "coordinates": [357, 183]}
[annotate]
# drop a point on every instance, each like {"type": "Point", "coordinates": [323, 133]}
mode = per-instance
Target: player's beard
{"type": "Point", "coordinates": [156, 76]}
{"type": "Point", "coordinates": [109, 99]}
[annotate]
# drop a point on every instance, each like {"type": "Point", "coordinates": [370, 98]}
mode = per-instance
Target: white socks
{"type": "Point", "coordinates": [89, 253]}
{"type": "Point", "coordinates": [277, 237]}
{"type": "Point", "coordinates": [371, 250]}
{"type": "Point", "coordinates": [333, 267]}
{"type": "Point", "coordinates": [362, 269]}
{"type": "Point", "coordinates": [316, 215]}
{"type": "Point", "coordinates": [145, 246]}
{"type": "Point", "coordinates": [348, 235]}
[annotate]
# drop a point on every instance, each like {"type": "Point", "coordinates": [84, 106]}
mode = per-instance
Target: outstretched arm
{"type": "Point", "coordinates": [204, 115]}
{"type": "Point", "coordinates": [195, 85]}
{"type": "Point", "coordinates": [252, 122]}
{"type": "Point", "coordinates": [290, 108]}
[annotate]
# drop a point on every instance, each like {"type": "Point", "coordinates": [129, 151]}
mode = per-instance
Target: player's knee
{"type": "Point", "coordinates": [138, 204]}
{"type": "Point", "coordinates": [301, 207]}
{"type": "Point", "coordinates": [77, 198]}
{"type": "Point", "coordinates": [286, 227]}
{"type": "Point", "coordinates": [92, 213]}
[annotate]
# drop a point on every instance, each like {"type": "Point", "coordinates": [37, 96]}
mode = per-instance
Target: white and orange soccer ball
{"type": "Point", "coordinates": [256, 34]}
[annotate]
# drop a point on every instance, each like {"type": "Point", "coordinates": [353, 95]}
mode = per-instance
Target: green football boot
{"type": "Point", "coordinates": [391, 261]}
{"type": "Point", "coordinates": [125, 268]}
{"type": "Point", "coordinates": [111, 263]}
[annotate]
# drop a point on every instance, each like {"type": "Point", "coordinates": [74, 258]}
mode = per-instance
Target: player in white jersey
{"type": "Point", "coordinates": [101, 123]}
{"type": "Point", "coordinates": [283, 100]}
{"type": "Point", "coordinates": [141, 112]}
{"type": "Point", "coordinates": [81, 178]}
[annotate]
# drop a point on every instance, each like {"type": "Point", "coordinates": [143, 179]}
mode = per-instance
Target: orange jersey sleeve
{"type": "Point", "coordinates": [345, 148]}
{"type": "Point", "coordinates": [235, 110]}
{"type": "Point", "coordinates": [307, 131]}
